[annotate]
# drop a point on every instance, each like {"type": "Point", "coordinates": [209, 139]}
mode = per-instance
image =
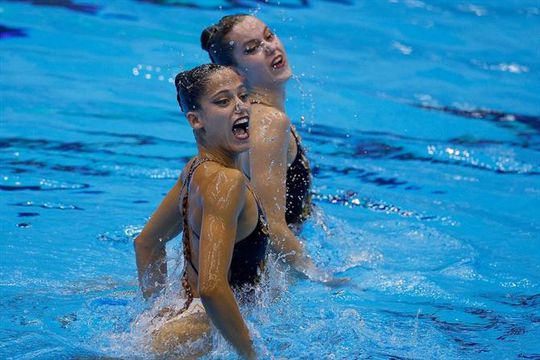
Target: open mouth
{"type": "Point", "coordinates": [278, 62]}
{"type": "Point", "coordinates": [240, 128]}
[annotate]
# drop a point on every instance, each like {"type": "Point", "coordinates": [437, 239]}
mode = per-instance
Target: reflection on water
{"type": "Point", "coordinates": [6, 32]}
{"type": "Point", "coordinates": [421, 120]}
{"type": "Point", "coordinates": [66, 4]}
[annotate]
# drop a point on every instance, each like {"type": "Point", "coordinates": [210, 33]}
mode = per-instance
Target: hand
{"type": "Point", "coordinates": [252, 355]}
{"type": "Point", "coordinates": [166, 312]}
{"type": "Point", "coordinates": [336, 282]}
{"type": "Point", "coordinates": [308, 268]}
{"type": "Point", "coordinates": [325, 277]}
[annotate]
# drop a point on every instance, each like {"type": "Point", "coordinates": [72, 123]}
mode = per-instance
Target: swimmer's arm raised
{"type": "Point", "coordinates": [223, 201]}
{"type": "Point", "coordinates": [165, 224]}
{"type": "Point", "coordinates": [268, 162]}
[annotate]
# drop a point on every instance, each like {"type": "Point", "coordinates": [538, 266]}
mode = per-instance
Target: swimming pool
{"type": "Point", "coordinates": [422, 120]}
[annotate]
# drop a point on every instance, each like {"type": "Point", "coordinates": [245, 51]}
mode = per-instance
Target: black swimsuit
{"type": "Point", "coordinates": [248, 255]}
{"type": "Point", "coordinates": [298, 205]}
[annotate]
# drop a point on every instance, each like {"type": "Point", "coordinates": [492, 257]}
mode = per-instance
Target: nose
{"type": "Point", "coordinates": [240, 106]}
{"type": "Point", "coordinates": [269, 47]}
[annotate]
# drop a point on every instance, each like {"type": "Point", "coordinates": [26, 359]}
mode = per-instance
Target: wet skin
{"type": "Point", "coordinates": [262, 60]}
{"type": "Point", "coordinates": [260, 57]}
{"type": "Point", "coordinates": [221, 209]}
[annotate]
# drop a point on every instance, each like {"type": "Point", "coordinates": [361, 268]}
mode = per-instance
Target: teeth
{"type": "Point", "coordinates": [277, 61]}
{"type": "Point", "coordinates": [241, 127]}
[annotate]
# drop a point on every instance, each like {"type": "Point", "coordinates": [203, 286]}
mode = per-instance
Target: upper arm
{"type": "Point", "coordinates": [268, 161]}
{"type": "Point", "coordinates": [166, 222]}
{"type": "Point", "coordinates": [223, 200]}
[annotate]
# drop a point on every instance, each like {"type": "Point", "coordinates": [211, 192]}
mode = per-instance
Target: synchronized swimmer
{"type": "Point", "coordinates": [251, 168]}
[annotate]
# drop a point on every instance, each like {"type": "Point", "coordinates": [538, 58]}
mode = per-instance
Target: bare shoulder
{"type": "Point", "coordinates": [219, 176]}
{"type": "Point", "coordinates": [219, 186]}
{"type": "Point", "coordinates": [264, 115]}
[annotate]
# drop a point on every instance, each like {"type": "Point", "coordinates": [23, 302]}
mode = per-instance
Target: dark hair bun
{"type": "Point", "coordinates": [206, 37]}
{"type": "Point", "coordinates": [213, 39]}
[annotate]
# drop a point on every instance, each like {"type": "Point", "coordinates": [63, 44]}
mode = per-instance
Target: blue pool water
{"type": "Point", "coordinates": [422, 120]}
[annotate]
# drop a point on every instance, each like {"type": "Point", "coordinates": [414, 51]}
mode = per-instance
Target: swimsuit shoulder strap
{"type": "Point", "coordinates": [262, 213]}
{"type": "Point", "coordinates": [185, 234]}
{"type": "Point", "coordinates": [185, 189]}
{"type": "Point", "coordinates": [194, 165]}
{"type": "Point", "coordinates": [295, 134]}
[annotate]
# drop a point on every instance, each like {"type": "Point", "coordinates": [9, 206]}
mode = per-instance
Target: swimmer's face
{"type": "Point", "coordinates": [224, 112]}
{"type": "Point", "coordinates": [259, 54]}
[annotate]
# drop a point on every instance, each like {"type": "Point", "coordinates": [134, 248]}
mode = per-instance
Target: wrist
{"type": "Point", "coordinates": [251, 355]}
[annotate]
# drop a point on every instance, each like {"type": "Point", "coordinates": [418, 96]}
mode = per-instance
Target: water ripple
{"type": "Point", "coordinates": [7, 32]}
{"type": "Point", "coordinates": [15, 184]}
{"type": "Point", "coordinates": [66, 4]}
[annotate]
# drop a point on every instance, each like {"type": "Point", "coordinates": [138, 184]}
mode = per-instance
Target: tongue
{"type": "Point", "coordinates": [240, 132]}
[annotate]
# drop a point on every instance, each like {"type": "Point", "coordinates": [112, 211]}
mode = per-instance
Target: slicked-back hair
{"type": "Point", "coordinates": [191, 85]}
{"type": "Point", "coordinates": [213, 39]}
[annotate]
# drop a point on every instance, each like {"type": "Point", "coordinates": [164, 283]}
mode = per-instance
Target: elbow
{"type": "Point", "coordinates": [276, 221]}
{"type": "Point", "coordinates": [210, 289]}
{"type": "Point", "coordinates": [279, 230]}
{"type": "Point", "coordinates": [143, 243]}
{"type": "Point", "coordinates": [140, 243]}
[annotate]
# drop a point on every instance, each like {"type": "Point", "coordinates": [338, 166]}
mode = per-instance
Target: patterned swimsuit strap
{"type": "Point", "coordinates": [194, 165]}
{"type": "Point", "coordinates": [185, 235]}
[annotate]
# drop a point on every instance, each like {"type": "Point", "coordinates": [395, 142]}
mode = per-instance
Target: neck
{"type": "Point", "coordinates": [274, 97]}
{"type": "Point", "coordinates": [227, 159]}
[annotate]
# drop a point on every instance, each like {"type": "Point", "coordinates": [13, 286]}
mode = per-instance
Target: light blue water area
{"type": "Point", "coordinates": [422, 121]}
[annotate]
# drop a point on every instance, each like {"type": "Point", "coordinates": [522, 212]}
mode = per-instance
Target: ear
{"type": "Point", "coordinates": [195, 120]}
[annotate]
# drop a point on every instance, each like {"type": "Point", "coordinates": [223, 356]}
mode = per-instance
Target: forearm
{"type": "Point", "coordinates": [151, 266]}
{"type": "Point", "coordinates": [223, 310]}
{"type": "Point", "coordinates": [286, 243]}
{"type": "Point", "coordinates": [223, 200]}
{"type": "Point", "coordinates": [165, 224]}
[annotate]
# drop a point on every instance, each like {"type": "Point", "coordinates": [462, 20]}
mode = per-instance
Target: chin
{"type": "Point", "coordinates": [244, 147]}
{"type": "Point", "coordinates": [288, 74]}
{"type": "Point", "coordinates": [285, 75]}
{"type": "Point", "coordinates": [241, 147]}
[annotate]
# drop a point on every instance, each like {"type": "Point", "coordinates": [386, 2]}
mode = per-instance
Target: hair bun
{"type": "Point", "coordinates": [206, 37]}
{"type": "Point", "coordinates": [182, 80]}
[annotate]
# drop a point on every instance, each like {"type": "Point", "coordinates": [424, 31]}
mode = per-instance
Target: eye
{"type": "Point", "coordinates": [251, 49]}
{"type": "Point", "coordinates": [244, 97]}
{"type": "Point", "coordinates": [222, 102]}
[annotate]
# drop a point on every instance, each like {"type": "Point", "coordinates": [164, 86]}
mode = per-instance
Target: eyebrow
{"type": "Point", "coordinates": [221, 92]}
{"type": "Point", "coordinates": [226, 92]}
{"type": "Point", "coordinates": [247, 42]}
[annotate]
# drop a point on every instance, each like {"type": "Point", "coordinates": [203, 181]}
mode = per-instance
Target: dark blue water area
{"type": "Point", "coordinates": [421, 120]}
